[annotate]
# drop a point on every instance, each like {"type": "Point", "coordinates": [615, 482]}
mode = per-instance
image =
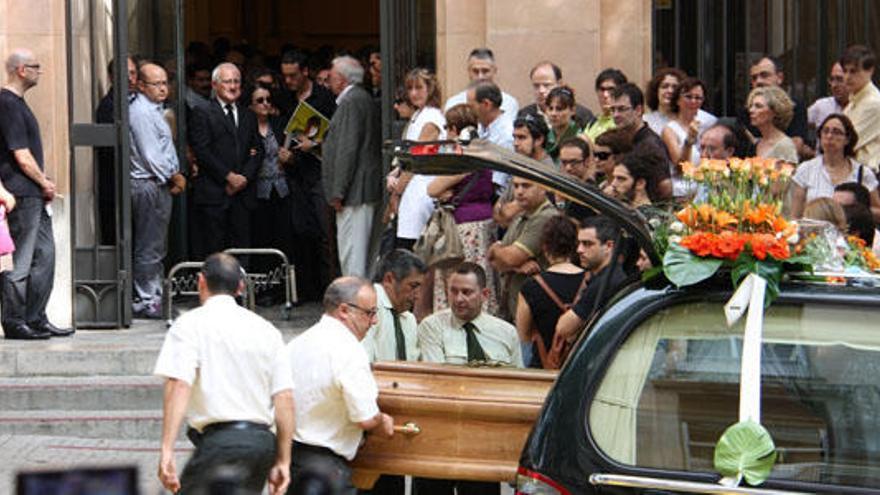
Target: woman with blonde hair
{"type": "Point", "coordinates": [426, 124]}
{"type": "Point", "coordinates": [827, 210]}
{"type": "Point", "coordinates": [770, 111]}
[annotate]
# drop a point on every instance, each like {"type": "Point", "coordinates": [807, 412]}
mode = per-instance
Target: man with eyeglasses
{"type": "Point", "coordinates": [154, 179]}
{"type": "Point", "coordinates": [627, 109]}
{"type": "Point", "coordinates": [835, 103]}
{"type": "Point", "coordinates": [576, 161]}
{"type": "Point", "coordinates": [225, 141]}
{"type": "Point", "coordinates": [334, 390]}
{"type": "Point", "coordinates": [25, 289]}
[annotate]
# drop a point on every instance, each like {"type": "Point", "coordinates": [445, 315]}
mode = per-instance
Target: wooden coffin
{"type": "Point", "coordinates": [472, 422]}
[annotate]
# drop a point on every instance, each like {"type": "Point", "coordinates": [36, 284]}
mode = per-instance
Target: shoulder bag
{"type": "Point", "coordinates": [553, 358]}
{"type": "Point", "coordinates": [440, 246]}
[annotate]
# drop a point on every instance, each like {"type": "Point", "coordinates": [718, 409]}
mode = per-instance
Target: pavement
{"type": "Point", "coordinates": [90, 401]}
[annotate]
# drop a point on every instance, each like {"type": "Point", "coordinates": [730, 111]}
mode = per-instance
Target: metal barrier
{"type": "Point", "coordinates": [187, 285]}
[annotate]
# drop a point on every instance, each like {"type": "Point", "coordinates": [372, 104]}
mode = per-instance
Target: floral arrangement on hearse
{"type": "Point", "coordinates": [736, 222]}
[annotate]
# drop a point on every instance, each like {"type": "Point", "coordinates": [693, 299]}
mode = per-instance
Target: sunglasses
{"type": "Point", "coordinates": [603, 155]}
{"type": "Point", "coordinates": [261, 99]}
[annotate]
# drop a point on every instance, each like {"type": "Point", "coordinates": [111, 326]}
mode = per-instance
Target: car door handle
{"type": "Point", "coordinates": [409, 429]}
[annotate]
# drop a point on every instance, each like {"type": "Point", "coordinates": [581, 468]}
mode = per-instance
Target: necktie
{"type": "Point", "coordinates": [229, 114]}
{"type": "Point", "coordinates": [398, 337]}
{"type": "Point", "coordinates": [474, 349]}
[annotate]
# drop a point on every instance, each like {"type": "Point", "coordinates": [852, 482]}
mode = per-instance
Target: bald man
{"type": "Point", "coordinates": [153, 164]}
{"type": "Point", "coordinates": [25, 289]}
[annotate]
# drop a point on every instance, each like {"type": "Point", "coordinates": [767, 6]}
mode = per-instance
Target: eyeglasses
{"type": "Point", "coordinates": [33, 66]}
{"type": "Point", "coordinates": [369, 312]}
{"type": "Point", "coordinates": [231, 81]}
{"type": "Point", "coordinates": [602, 155]}
{"type": "Point", "coordinates": [620, 109]}
{"type": "Point", "coordinates": [157, 84]}
{"type": "Point", "coordinates": [261, 99]}
{"type": "Point", "coordinates": [831, 131]}
{"type": "Point", "coordinates": [607, 89]}
{"type": "Point", "coordinates": [570, 163]}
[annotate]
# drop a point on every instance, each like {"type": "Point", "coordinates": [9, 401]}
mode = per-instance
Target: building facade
{"type": "Point", "coordinates": [74, 40]}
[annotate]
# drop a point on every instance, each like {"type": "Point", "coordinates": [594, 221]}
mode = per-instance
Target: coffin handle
{"type": "Point", "coordinates": [410, 428]}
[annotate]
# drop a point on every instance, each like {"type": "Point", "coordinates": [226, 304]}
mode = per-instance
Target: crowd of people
{"type": "Point", "coordinates": [536, 266]}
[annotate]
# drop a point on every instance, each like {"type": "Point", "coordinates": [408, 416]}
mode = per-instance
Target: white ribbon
{"type": "Point", "coordinates": [749, 295]}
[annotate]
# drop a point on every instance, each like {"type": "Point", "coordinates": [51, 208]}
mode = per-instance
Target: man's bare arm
{"type": "Point", "coordinates": [29, 167]}
{"type": "Point", "coordinates": [279, 475]}
{"type": "Point", "coordinates": [177, 393]}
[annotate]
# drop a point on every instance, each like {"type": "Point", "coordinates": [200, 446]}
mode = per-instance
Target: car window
{"type": "Point", "coordinates": [673, 388]}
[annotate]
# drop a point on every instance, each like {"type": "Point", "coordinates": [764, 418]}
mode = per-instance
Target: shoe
{"type": "Point", "coordinates": [53, 330]}
{"type": "Point", "coordinates": [24, 332]}
{"type": "Point", "coordinates": [148, 313]}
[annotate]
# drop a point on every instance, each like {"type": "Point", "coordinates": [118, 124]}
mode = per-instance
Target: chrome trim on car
{"type": "Point", "coordinates": [643, 482]}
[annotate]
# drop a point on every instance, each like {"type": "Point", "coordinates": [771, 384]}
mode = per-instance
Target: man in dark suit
{"type": "Point", "coordinates": [352, 171]}
{"type": "Point", "coordinates": [224, 139]}
{"type": "Point", "coordinates": [314, 263]}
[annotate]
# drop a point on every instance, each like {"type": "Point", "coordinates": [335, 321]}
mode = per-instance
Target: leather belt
{"type": "Point", "coordinates": [234, 425]}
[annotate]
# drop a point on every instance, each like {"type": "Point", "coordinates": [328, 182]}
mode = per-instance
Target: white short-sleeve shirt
{"type": "Point", "coordinates": [812, 176]}
{"type": "Point", "coordinates": [415, 205]}
{"type": "Point", "coordinates": [334, 388]}
{"type": "Point", "coordinates": [233, 359]}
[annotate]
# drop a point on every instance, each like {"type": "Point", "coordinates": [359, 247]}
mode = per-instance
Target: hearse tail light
{"type": "Point", "coordinates": [532, 483]}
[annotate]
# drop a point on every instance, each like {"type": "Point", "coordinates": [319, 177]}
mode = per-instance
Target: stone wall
{"type": "Point", "coordinates": [581, 36]}
{"type": "Point", "coordinates": [40, 26]}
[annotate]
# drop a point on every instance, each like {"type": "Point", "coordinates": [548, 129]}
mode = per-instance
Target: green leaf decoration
{"type": "Point", "coordinates": [684, 268]}
{"type": "Point", "coordinates": [745, 450]}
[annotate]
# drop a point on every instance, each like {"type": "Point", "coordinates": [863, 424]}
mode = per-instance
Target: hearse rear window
{"type": "Point", "coordinates": [673, 387]}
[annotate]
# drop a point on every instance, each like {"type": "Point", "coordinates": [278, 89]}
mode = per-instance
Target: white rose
{"type": "Point", "coordinates": [676, 227]}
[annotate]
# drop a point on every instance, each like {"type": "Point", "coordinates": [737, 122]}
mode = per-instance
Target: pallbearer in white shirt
{"type": "Point", "coordinates": [227, 368]}
{"type": "Point", "coordinates": [334, 388]}
{"type": "Point", "coordinates": [397, 281]}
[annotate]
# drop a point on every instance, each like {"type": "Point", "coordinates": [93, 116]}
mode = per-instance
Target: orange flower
{"type": "Point", "coordinates": [760, 244]}
{"type": "Point", "coordinates": [779, 250]}
{"type": "Point", "coordinates": [699, 243]}
{"type": "Point", "coordinates": [723, 219]}
{"type": "Point", "coordinates": [705, 211]}
{"type": "Point", "coordinates": [728, 245]}
{"type": "Point", "coordinates": [687, 216]}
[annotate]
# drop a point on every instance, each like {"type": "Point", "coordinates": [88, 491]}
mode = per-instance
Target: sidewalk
{"type": "Point", "coordinates": [89, 400]}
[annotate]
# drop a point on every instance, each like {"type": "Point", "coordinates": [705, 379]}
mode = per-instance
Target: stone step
{"type": "Point", "coordinates": [42, 453]}
{"type": "Point", "coordinates": [81, 393]}
{"type": "Point", "coordinates": [119, 425]}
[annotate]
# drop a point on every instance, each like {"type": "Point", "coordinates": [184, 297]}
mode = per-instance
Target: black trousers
{"type": "Point", "coordinates": [319, 470]}
{"type": "Point", "coordinates": [231, 457]}
{"type": "Point", "coordinates": [221, 227]}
